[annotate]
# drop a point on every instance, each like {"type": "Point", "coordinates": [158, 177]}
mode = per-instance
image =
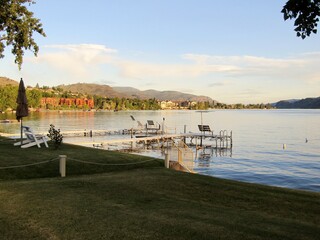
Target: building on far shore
{"type": "Point", "coordinates": [76, 102]}
{"type": "Point", "coordinates": [168, 105]}
{"type": "Point", "coordinates": [177, 104]}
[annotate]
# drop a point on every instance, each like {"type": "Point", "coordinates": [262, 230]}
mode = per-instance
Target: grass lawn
{"type": "Point", "coordinates": [140, 201]}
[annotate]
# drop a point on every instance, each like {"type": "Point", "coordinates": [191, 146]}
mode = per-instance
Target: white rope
{"type": "Point", "coordinates": [110, 164]}
{"type": "Point", "coordinates": [28, 165]}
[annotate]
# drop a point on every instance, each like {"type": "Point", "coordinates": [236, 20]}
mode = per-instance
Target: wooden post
{"type": "Point", "coordinates": [179, 156]}
{"type": "Point", "coordinates": [163, 119]}
{"type": "Point", "coordinates": [167, 160]}
{"type": "Point", "coordinates": [63, 160]}
{"type": "Point", "coordinates": [227, 142]}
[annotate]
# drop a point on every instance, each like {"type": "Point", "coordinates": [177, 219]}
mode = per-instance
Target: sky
{"type": "Point", "coordinates": [232, 51]}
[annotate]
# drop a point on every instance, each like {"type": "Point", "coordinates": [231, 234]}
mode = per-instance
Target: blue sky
{"type": "Point", "coordinates": [232, 51]}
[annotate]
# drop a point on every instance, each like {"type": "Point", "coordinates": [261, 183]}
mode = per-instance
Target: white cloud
{"type": "Point", "coordinates": [217, 84]}
{"type": "Point", "coordinates": [72, 62]}
{"type": "Point", "coordinates": [80, 60]}
{"type": "Point", "coordinates": [301, 68]}
{"type": "Point", "coordinates": [107, 82]}
{"type": "Point", "coordinates": [252, 65]}
{"type": "Point", "coordinates": [142, 70]}
{"type": "Point", "coordinates": [215, 76]}
{"type": "Point", "coordinates": [77, 47]}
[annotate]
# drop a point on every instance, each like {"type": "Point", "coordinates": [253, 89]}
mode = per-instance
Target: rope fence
{"type": "Point", "coordinates": [30, 164]}
{"type": "Point", "coordinates": [110, 164]}
{"type": "Point", "coordinates": [63, 160]}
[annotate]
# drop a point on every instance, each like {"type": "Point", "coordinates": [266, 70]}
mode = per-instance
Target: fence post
{"type": "Point", "coordinates": [179, 156]}
{"type": "Point", "coordinates": [62, 166]}
{"type": "Point", "coordinates": [167, 160]}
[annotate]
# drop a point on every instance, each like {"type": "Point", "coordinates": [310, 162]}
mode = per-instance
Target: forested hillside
{"type": "Point", "coordinates": [311, 103]}
{"type": "Point", "coordinates": [7, 81]}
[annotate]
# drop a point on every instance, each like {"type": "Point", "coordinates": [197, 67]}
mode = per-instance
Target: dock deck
{"type": "Point", "coordinates": [191, 139]}
{"type": "Point", "coordinates": [221, 140]}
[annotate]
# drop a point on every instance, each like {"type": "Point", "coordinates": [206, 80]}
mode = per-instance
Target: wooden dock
{"type": "Point", "coordinates": [86, 133]}
{"type": "Point", "coordinates": [202, 139]}
{"type": "Point", "coordinates": [191, 139]}
{"type": "Point", "coordinates": [92, 133]}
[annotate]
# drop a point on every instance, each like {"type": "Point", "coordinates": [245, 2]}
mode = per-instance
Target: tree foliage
{"type": "Point", "coordinates": [17, 25]}
{"type": "Point", "coordinates": [8, 96]}
{"type": "Point", "coordinates": [306, 14]}
{"type": "Point", "coordinates": [9, 93]}
{"type": "Point", "coordinates": [34, 97]}
{"type": "Point", "coordinates": [125, 103]}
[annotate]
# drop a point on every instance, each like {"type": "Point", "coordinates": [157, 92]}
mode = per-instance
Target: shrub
{"type": "Point", "coordinates": [55, 136]}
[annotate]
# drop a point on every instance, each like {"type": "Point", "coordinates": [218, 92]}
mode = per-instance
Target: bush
{"type": "Point", "coordinates": [55, 136]}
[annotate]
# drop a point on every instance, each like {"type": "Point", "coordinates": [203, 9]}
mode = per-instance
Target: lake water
{"type": "Point", "coordinates": [272, 147]}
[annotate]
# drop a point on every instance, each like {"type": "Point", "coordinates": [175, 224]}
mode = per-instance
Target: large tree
{"type": "Point", "coordinates": [17, 25]}
{"type": "Point", "coordinates": [306, 14]}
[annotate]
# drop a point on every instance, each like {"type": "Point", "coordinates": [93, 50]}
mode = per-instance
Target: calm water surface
{"type": "Point", "coordinates": [258, 138]}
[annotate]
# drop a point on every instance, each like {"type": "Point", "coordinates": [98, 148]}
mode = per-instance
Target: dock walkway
{"type": "Point", "coordinates": [221, 140]}
{"type": "Point", "coordinates": [191, 139]}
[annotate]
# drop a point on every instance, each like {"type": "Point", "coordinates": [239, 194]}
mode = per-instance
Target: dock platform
{"type": "Point", "coordinates": [190, 139]}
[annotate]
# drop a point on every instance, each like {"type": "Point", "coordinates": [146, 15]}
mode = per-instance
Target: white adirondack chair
{"type": "Point", "coordinates": [32, 139]}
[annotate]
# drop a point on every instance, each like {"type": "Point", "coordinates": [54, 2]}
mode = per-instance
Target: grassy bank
{"type": "Point", "coordinates": [140, 201]}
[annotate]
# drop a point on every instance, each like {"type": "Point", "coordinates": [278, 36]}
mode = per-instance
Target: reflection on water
{"type": "Point", "coordinates": [205, 153]}
{"type": "Point", "coordinates": [258, 139]}
{"type": "Point", "coordinates": [204, 158]}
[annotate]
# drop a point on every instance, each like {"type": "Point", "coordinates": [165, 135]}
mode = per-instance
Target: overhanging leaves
{"type": "Point", "coordinates": [306, 14]}
{"type": "Point", "coordinates": [17, 25]}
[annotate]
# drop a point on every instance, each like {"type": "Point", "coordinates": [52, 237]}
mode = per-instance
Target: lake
{"type": "Point", "coordinates": [272, 147]}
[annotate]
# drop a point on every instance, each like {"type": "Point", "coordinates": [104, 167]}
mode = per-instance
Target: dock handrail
{"type": "Point", "coordinates": [183, 150]}
{"type": "Point", "coordinates": [183, 145]}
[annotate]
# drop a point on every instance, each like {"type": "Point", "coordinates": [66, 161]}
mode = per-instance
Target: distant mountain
{"type": "Point", "coordinates": [161, 95]}
{"type": "Point", "coordinates": [92, 89]}
{"type": "Point", "coordinates": [129, 92]}
{"type": "Point", "coordinates": [293, 100]}
{"type": "Point", "coordinates": [7, 81]}
{"type": "Point", "coordinates": [312, 103]}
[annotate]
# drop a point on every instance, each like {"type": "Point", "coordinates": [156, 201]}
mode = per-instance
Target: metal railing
{"type": "Point", "coordinates": [182, 154]}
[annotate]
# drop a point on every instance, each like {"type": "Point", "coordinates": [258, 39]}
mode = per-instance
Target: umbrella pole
{"type": "Point", "coordinates": [21, 131]}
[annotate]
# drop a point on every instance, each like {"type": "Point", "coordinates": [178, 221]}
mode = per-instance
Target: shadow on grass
{"type": "Point", "coordinates": [44, 162]}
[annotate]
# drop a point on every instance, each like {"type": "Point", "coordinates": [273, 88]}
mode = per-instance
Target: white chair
{"type": "Point", "coordinates": [140, 125]}
{"type": "Point", "coordinates": [32, 139]}
{"type": "Point", "coordinates": [151, 126]}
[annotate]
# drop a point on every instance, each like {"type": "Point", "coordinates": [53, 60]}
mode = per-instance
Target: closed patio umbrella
{"type": "Point", "coordinates": [22, 107]}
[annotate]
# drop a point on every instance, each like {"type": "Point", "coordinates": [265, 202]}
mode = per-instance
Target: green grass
{"type": "Point", "coordinates": [141, 201]}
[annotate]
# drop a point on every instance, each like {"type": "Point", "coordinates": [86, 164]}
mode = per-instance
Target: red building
{"type": "Point", "coordinates": [77, 102]}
